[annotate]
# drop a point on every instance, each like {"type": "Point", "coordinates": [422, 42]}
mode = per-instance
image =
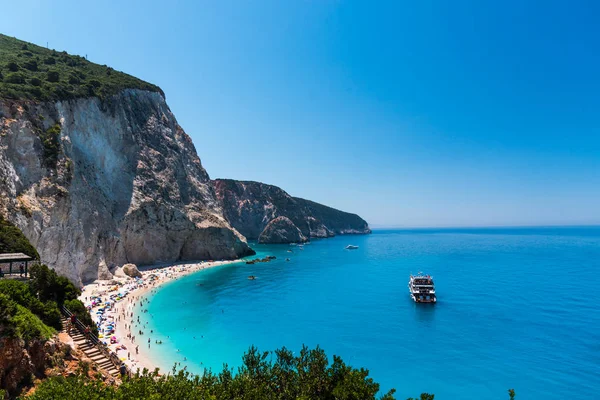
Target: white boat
{"type": "Point", "coordinates": [422, 289]}
{"type": "Point", "coordinates": [351, 247]}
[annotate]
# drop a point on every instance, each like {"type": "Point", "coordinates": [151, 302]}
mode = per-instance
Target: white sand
{"type": "Point", "coordinates": [121, 310]}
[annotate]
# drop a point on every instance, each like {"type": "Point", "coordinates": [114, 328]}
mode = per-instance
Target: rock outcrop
{"type": "Point", "coordinates": [250, 207]}
{"type": "Point", "coordinates": [128, 270]}
{"type": "Point", "coordinates": [281, 230]}
{"type": "Point", "coordinates": [19, 361]}
{"type": "Point", "coordinates": [95, 184]}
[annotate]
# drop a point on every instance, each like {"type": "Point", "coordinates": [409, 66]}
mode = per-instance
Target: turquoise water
{"type": "Point", "coordinates": [516, 308]}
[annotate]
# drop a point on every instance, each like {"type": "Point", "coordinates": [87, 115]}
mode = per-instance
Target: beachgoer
{"type": "Point", "coordinates": [123, 369]}
{"type": "Point", "coordinates": [73, 320]}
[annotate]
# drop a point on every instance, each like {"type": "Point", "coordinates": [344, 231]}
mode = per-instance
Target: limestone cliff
{"type": "Point", "coordinates": [281, 230]}
{"type": "Point", "coordinates": [95, 184]}
{"type": "Point", "coordinates": [251, 206]}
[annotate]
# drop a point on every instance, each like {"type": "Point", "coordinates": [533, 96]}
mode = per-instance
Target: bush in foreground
{"type": "Point", "coordinates": [309, 375]}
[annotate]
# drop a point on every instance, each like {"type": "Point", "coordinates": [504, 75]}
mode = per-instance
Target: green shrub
{"type": "Point", "coordinates": [22, 294]}
{"type": "Point", "coordinates": [31, 65]}
{"type": "Point", "coordinates": [53, 76]}
{"type": "Point", "coordinates": [36, 92]}
{"type": "Point", "coordinates": [51, 315]}
{"type": "Point", "coordinates": [12, 66]}
{"type": "Point", "coordinates": [74, 80]}
{"type": "Point", "coordinates": [29, 326]}
{"type": "Point", "coordinates": [49, 286]}
{"type": "Point", "coordinates": [78, 308]}
{"type": "Point", "coordinates": [308, 375]}
{"type": "Point", "coordinates": [49, 60]}
{"type": "Point", "coordinates": [8, 309]}
{"type": "Point", "coordinates": [35, 82]}
{"type": "Point", "coordinates": [12, 240]}
{"type": "Point", "coordinates": [16, 78]}
{"type": "Point", "coordinates": [51, 143]}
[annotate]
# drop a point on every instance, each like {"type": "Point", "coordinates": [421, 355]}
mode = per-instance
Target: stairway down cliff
{"type": "Point", "coordinates": [255, 210]}
{"type": "Point", "coordinates": [95, 184]}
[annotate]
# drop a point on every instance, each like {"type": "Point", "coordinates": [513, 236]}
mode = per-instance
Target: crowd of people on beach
{"type": "Point", "coordinates": [117, 306]}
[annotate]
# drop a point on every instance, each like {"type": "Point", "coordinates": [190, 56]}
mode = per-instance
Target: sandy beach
{"type": "Point", "coordinates": [104, 298]}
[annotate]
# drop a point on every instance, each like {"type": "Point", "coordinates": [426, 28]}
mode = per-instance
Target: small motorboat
{"type": "Point", "coordinates": [351, 247]}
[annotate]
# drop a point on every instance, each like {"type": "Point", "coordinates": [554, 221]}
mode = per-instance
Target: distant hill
{"type": "Point", "coordinates": [32, 72]}
{"type": "Point", "coordinates": [252, 208]}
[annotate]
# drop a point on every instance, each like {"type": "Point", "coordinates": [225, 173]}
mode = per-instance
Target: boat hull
{"type": "Point", "coordinates": [419, 300]}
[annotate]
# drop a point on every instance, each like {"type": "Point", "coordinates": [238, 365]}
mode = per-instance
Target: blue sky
{"type": "Point", "coordinates": [417, 113]}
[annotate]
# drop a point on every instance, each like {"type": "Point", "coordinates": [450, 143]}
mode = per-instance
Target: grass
{"type": "Point", "coordinates": [32, 72]}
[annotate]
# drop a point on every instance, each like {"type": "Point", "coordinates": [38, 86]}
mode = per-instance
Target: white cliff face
{"type": "Point", "coordinates": [128, 186]}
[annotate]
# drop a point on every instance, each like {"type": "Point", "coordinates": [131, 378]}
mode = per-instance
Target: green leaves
{"type": "Point", "coordinates": [50, 141]}
{"type": "Point", "coordinates": [278, 375]}
{"type": "Point", "coordinates": [12, 240]}
{"type": "Point", "coordinates": [8, 309]}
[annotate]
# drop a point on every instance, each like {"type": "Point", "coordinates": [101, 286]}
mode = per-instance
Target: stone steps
{"type": "Point", "coordinates": [91, 351]}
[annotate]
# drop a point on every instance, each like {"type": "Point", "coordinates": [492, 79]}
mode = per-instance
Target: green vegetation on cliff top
{"type": "Point", "coordinates": [32, 72]}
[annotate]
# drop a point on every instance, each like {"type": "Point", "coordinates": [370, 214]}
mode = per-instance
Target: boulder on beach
{"type": "Point", "coordinates": [132, 271]}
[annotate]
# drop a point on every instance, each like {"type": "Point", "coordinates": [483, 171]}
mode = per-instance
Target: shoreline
{"type": "Point", "coordinates": [123, 311]}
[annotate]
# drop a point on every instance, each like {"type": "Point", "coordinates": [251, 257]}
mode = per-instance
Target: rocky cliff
{"type": "Point", "coordinates": [95, 184]}
{"type": "Point", "coordinates": [254, 208]}
{"type": "Point", "coordinates": [20, 361]}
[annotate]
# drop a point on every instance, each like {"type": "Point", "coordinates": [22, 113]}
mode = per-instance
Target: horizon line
{"type": "Point", "coordinates": [378, 227]}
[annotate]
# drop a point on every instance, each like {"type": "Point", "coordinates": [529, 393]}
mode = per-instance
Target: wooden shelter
{"type": "Point", "coordinates": [22, 261]}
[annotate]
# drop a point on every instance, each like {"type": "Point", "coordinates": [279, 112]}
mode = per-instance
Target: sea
{"type": "Point", "coordinates": [517, 308]}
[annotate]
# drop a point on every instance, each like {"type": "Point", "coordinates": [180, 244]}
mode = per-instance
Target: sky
{"type": "Point", "coordinates": [408, 113]}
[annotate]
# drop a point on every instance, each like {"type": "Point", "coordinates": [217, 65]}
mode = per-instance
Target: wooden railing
{"type": "Point", "coordinates": [111, 355]}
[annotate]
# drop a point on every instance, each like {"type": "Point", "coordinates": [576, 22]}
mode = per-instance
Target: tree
{"type": "Point", "coordinates": [31, 65]}
{"type": "Point", "coordinates": [53, 76]}
{"type": "Point", "coordinates": [49, 286]}
{"type": "Point", "coordinates": [12, 66]}
{"type": "Point", "coordinates": [424, 396]}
